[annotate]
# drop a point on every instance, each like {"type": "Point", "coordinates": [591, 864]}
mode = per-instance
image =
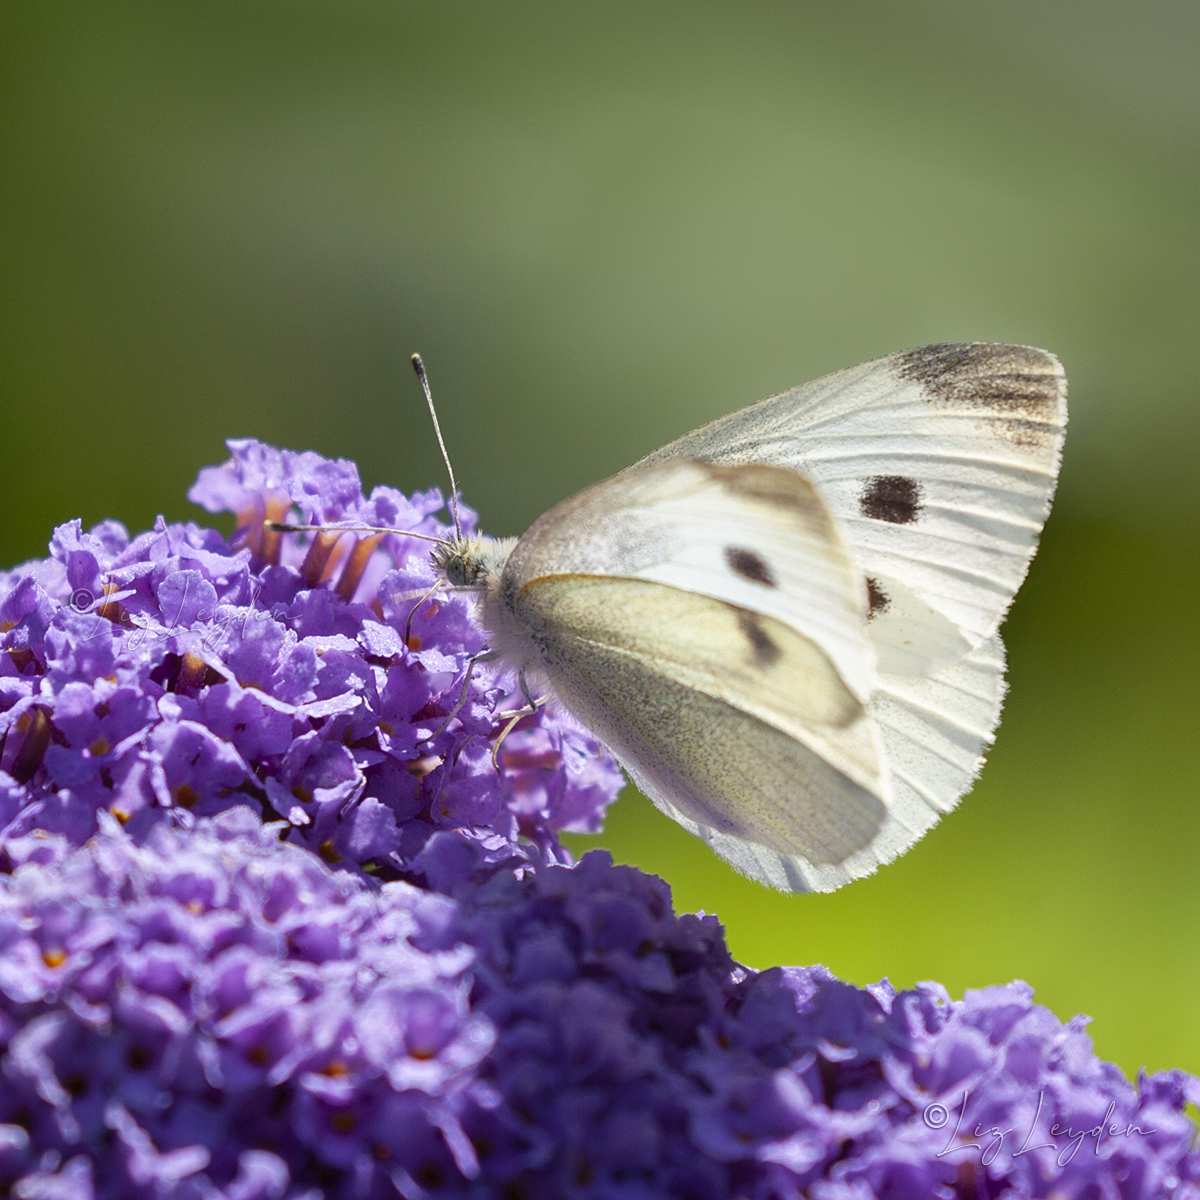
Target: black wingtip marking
{"type": "Point", "coordinates": [878, 601]}
{"type": "Point", "coordinates": [892, 498]}
{"type": "Point", "coordinates": [1018, 384]}
{"type": "Point", "coordinates": [766, 650]}
{"type": "Point", "coordinates": [750, 566]}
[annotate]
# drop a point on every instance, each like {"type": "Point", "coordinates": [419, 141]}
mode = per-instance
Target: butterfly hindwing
{"type": "Point", "coordinates": [728, 720]}
{"type": "Point", "coordinates": [934, 730]}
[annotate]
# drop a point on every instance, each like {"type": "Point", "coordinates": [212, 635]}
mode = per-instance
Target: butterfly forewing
{"type": "Point", "coordinates": [939, 464]}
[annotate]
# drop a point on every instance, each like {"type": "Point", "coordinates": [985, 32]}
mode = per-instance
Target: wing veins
{"type": "Point", "coordinates": [1007, 466]}
{"type": "Point", "coordinates": [936, 714]}
{"type": "Point", "coordinates": [992, 582]}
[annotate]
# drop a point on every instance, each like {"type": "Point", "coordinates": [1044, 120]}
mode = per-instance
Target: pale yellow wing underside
{"type": "Point", "coordinates": [729, 720]}
{"type": "Point", "coordinates": [935, 730]}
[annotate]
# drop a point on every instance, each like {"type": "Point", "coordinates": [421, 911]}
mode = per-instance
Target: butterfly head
{"type": "Point", "coordinates": [472, 562]}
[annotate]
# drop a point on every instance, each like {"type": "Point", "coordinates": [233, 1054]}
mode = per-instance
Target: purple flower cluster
{"type": "Point", "coordinates": [213, 1013]}
{"type": "Point", "coordinates": [274, 926]}
{"type": "Point", "coordinates": [636, 1059]}
{"type": "Point", "coordinates": [173, 676]}
{"type": "Point", "coordinates": [217, 1015]}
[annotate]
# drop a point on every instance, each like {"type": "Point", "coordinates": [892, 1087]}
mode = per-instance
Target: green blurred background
{"type": "Point", "coordinates": [603, 224]}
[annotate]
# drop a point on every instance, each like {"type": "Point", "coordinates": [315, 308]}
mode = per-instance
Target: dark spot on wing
{"type": "Point", "coordinates": [749, 566]}
{"type": "Point", "coordinates": [878, 601]}
{"type": "Point", "coordinates": [766, 652]}
{"type": "Point", "coordinates": [777, 487]}
{"type": "Point", "coordinates": [892, 498]}
{"type": "Point", "coordinates": [1017, 390]}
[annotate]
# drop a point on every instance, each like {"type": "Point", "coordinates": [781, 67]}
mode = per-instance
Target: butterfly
{"type": "Point", "coordinates": [784, 624]}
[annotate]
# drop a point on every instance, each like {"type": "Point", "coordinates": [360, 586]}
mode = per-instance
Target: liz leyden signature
{"type": "Point", "coordinates": [1066, 1140]}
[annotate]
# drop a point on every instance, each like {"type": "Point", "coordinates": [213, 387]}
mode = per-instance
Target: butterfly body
{"type": "Point", "coordinates": [784, 623]}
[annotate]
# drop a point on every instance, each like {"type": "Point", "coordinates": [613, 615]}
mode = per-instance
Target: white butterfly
{"type": "Point", "coordinates": [784, 623]}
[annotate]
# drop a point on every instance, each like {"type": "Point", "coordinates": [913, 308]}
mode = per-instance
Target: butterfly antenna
{"type": "Point", "coordinates": [287, 527]}
{"type": "Point", "coordinates": [419, 367]}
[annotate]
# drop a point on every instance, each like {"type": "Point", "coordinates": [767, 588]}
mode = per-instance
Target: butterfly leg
{"type": "Point", "coordinates": [483, 656]}
{"type": "Point", "coordinates": [449, 766]}
{"type": "Point", "coordinates": [531, 706]}
{"type": "Point", "coordinates": [412, 612]}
